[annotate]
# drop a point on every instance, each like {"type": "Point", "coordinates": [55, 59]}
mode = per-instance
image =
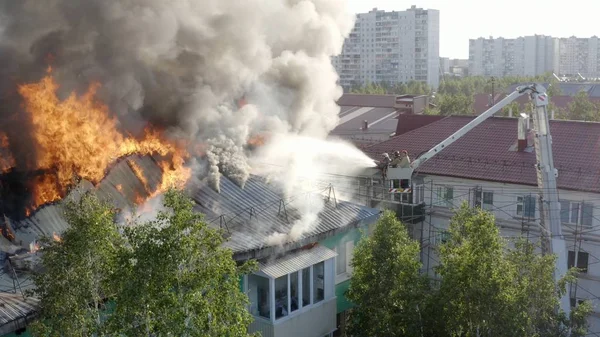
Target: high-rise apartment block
{"type": "Point", "coordinates": [523, 56]}
{"type": "Point", "coordinates": [534, 55]}
{"type": "Point", "coordinates": [392, 47]}
{"type": "Point", "coordinates": [579, 57]}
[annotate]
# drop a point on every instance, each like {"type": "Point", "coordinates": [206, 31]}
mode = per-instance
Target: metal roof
{"type": "Point", "coordinates": [297, 261]}
{"type": "Point", "coordinates": [485, 152]}
{"type": "Point", "coordinates": [15, 306]}
{"type": "Point", "coordinates": [253, 213]}
{"type": "Point", "coordinates": [249, 214]}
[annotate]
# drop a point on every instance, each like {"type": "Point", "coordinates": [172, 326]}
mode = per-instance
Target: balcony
{"type": "Point", "coordinates": [294, 295]}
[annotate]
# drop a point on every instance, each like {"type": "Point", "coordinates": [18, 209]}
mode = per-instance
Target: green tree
{"type": "Point", "coordinates": [77, 271]}
{"type": "Point", "coordinates": [475, 292]}
{"type": "Point", "coordinates": [489, 290]}
{"type": "Point", "coordinates": [389, 294]}
{"type": "Point", "coordinates": [535, 275]}
{"type": "Point", "coordinates": [581, 108]}
{"type": "Point", "coordinates": [515, 106]}
{"type": "Point", "coordinates": [455, 104]}
{"type": "Point", "coordinates": [176, 279]}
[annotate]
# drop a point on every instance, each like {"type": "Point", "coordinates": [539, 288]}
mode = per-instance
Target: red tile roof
{"type": "Point", "coordinates": [484, 153]}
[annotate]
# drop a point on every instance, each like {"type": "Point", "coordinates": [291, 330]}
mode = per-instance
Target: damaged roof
{"type": "Point", "coordinates": [249, 215]}
{"type": "Point", "coordinates": [14, 310]}
{"type": "Point", "coordinates": [486, 152]}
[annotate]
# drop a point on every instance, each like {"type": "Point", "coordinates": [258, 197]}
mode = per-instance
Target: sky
{"type": "Point", "coordinates": [461, 20]}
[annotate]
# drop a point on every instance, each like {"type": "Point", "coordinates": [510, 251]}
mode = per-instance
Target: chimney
{"type": "Point", "coordinates": [522, 134]}
{"type": "Point", "coordinates": [365, 125]}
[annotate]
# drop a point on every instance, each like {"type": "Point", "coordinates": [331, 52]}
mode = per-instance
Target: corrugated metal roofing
{"type": "Point", "coordinates": [253, 213]}
{"type": "Point", "coordinates": [14, 306]}
{"type": "Point", "coordinates": [250, 214]}
{"type": "Point", "coordinates": [49, 219]}
{"type": "Point", "coordinates": [297, 261]}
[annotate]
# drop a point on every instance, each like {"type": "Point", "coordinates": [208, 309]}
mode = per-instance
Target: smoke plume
{"type": "Point", "coordinates": [181, 66]}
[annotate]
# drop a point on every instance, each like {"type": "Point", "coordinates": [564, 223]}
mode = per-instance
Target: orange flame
{"type": "Point", "coordinates": [139, 173]}
{"type": "Point", "coordinates": [7, 161]}
{"type": "Point", "coordinates": [257, 140]}
{"type": "Point", "coordinates": [78, 138]}
{"type": "Point", "coordinates": [56, 237]}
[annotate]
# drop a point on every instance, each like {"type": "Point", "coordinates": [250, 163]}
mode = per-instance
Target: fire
{"type": "Point", "coordinates": [257, 140]}
{"type": "Point", "coordinates": [139, 173]}
{"type": "Point", "coordinates": [56, 237]}
{"type": "Point", "coordinates": [78, 138]}
{"type": "Point", "coordinates": [7, 161]}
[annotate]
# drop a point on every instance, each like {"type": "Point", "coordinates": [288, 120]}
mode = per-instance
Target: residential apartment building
{"type": "Point", "coordinates": [535, 55]}
{"type": "Point", "coordinates": [523, 56]}
{"type": "Point", "coordinates": [579, 56]}
{"type": "Point", "coordinates": [391, 47]}
{"type": "Point", "coordinates": [491, 169]}
{"type": "Point", "coordinates": [298, 289]}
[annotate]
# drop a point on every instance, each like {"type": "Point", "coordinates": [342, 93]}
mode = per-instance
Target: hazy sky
{"type": "Point", "coordinates": [461, 20]}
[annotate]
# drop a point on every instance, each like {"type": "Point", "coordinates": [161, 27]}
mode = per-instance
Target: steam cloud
{"type": "Point", "coordinates": [182, 65]}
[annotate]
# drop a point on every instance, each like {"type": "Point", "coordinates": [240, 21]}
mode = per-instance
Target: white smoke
{"type": "Point", "coordinates": [296, 163]}
{"type": "Point", "coordinates": [183, 64]}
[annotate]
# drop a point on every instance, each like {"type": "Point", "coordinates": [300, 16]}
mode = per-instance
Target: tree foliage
{"type": "Point", "coordinates": [78, 271]}
{"type": "Point", "coordinates": [386, 284]}
{"type": "Point", "coordinates": [167, 277]}
{"type": "Point", "coordinates": [487, 288]}
{"type": "Point", "coordinates": [582, 108]}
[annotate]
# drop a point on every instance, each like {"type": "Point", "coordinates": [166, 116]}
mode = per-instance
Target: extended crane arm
{"type": "Point", "coordinates": [462, 131]}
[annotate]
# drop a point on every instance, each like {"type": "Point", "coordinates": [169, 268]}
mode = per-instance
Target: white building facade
{"type": "Point", "coordinates": [523, 56]}
{"type": "Point", "coordinates": [579, 56]}
{"type": "Point", "coordinates": [392, 47]}
{"type": "Point", "coordinates": [517, 215]}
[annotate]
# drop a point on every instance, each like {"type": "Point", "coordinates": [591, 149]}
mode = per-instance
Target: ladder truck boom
{"type": "Point", "coordinates": [552, 239]}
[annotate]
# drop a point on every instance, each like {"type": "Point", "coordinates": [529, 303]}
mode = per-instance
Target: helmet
{"type": "Point", "coordinates": [396, 153]}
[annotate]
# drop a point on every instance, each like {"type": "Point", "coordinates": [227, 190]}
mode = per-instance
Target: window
{"type": "Point", "coordinates": [259, 295]}
{"type": "Point", "coordinates": [575, 302]}
{"type": "Point", "coordinates": [488, 200]}
{"type": "Point", "coordinates": [281, 290]}
{"type": "Point", "coordinates": [419, 194]}
{"type": "Point", "coordinates": [526, 206]}
{"type": "Point", "coordinates": [318, 282]}
{"type": "Point", "coordinates": [340, 260]}
{"type": "Point", "coordinates": [573, 212]}
{"type": "Point", "coordinates": [484, 200]}
{"type": "Point", "coordinates": [444, 196]}
{"type": "Point", "coordinates": [343, 261]}
{"type": "Point", "coordinates": [306, 286]}
{"type": "Point", "coordinates": [582, 260]}
{"type": "Point", "coordinates": [294, 291]}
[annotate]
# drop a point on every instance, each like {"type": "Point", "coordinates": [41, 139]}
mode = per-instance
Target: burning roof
{"type": "Point", "coordinates": [248, 215]}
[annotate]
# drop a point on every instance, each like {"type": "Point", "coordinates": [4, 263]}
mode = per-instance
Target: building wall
{"type": "Point", "coordinates": [579, 56]}
{"type": "Point", "coordinates": [392, 47]}
{"type": "Point", "coordinates": [431, 232]}
{"type": "Point", "coordinates": [523, 56]}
